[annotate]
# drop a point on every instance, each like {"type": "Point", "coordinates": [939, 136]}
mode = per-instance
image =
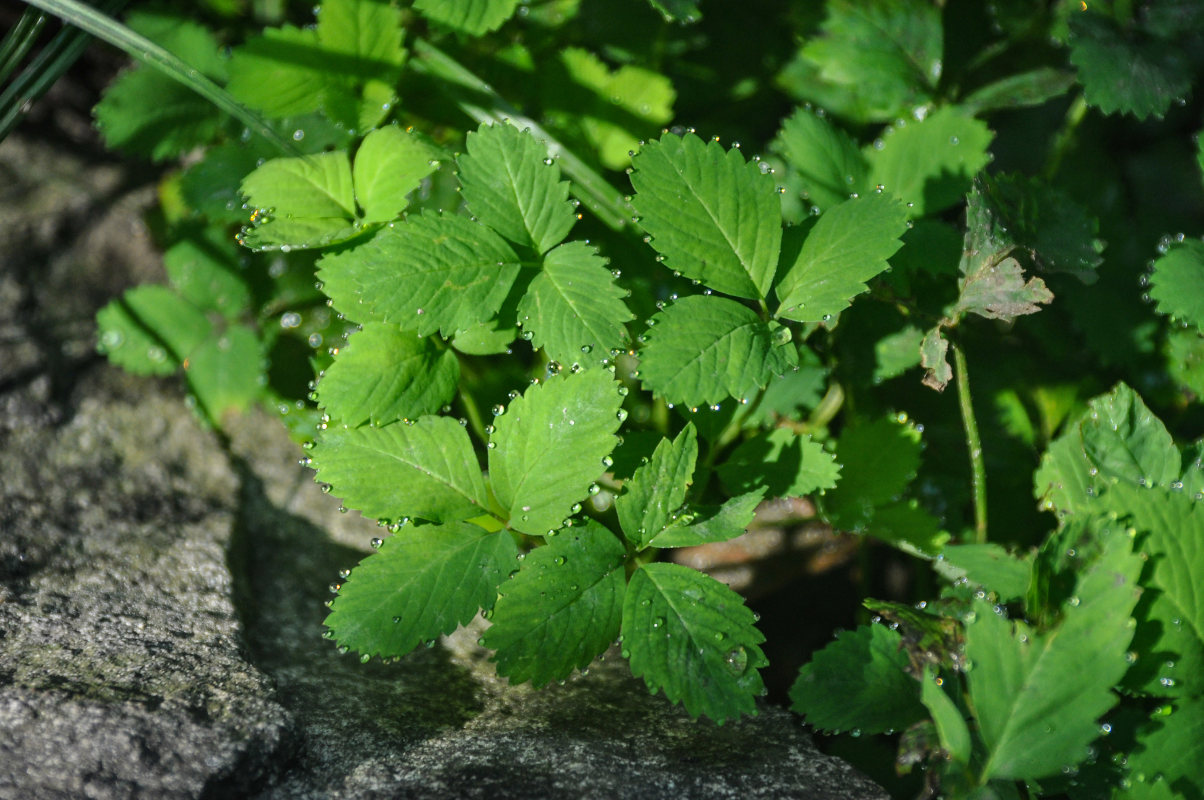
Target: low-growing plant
{"type": "Point", "coordinates": [541, 385]}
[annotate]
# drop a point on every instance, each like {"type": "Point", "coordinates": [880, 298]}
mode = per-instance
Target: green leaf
{"type": "Point", "coordinates": [685, 11]}
{"type": "Point", "coordinates": [897, 352]}
{"type": "Point", "coordinates": [363, 55]}
{"type": "Point", "coordinates": [147, 113]}
{"type": "Point", "coordinates": [885, 54]}
{"type": "Point", "coordinates": [1019, 90]}
{"type": "Point", "coordinates": [859, 682]}
{"type": "Point", "coordinates": [384, 374]}
{"type": "Point", "coordinates": [389, 165]}
{"type": "Point", "coordinates": [693, 637]}
{"type": "Point", "coordinates": [906, 525]}
{"type": "Point", "coordinates": [1177, 282]}
{"type": "Point", "coordinates": [934, 358]}
{"type": "Point", "coordinates": [573, 308]}
{"type": "Point", "coordinates": [714, 217]}
{"type": "Point", "coordinates": [426, 470]}
{"type": "Point", "coordinates": [281, 73]}
{"type": "Point", "coordinates": [1038, 696]}
{"type": "Point", "coordinates": [1131, 71]}
{"type": "Point", "coordinates": [150, 330]}
{"type": "Point", "coordinates": [950, 723]}
{"type": "Point", "coordinates": [549, 446]}
{"type": "Point", "coordinates": [879, 460]}
{"type": "Point", "coordinates": [1162, 766]}
{"type": "Point", "coordinates": [203, 264]}
{"type": "Point", "coordinates": [470, 17]}
{"type": "Point", "coordinates": [1170, 630]}
{"type": "Point", "coordinates": [510, 185]}
{"type": "Point", "coordinates": [704, 349]}
{"type": "Point", "coordinates": [422, 583]}
{"type": "Point", "coordinates": [848, 245]}
{"type": "Point", "coordinates": [988, 566]}
{"type": "Point", "coordinates": [562, 608]}
{"type": "Point", "coordinates": [930, 163]}
{"type": "Point", "coordinates": [430, 273]}
{"type": "Point", "coordinates": [717, 525]}
{"type": "Point", "coordinates": [658, 488]}
{"type": "Point", "coordinates": [226, 372]}
{"type": "Point", "coordinates": [614, 109]}
{"type": "Point", "coordinates": [826, 159]}
{"type": "Point", "coordinates": [185, 38]}
{"type": "Point", "coordinates": [783, 462]}
{"type": "Point", "coordinates": [1124, 440]}
{"type": "Point", "coordinates": [1007, 212]}
{"type": "Point", "coordinates": [305, 202]}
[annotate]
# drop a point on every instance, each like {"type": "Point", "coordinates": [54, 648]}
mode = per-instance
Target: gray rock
{"type": "Point", "coordinates": [161, 601]}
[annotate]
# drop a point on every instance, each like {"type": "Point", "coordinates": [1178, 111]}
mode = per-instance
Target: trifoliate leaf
{"type": "Point", "coordinates": [304, 202]}
{"type": "Point", "coordinates": [702, 525]}
{"type": "Point", "coordinates": [422, 583]}
{"type": "Point", "coordinates": [1132, 71]}
{"type": "Point", "coordinates": [1022, 89]}
{"type": "Point", "coordinates": [1162, 766]}
{"type": "Point", "coordinates": [150, 330]}
{"type": "Point", "coordinates": [714, 217]}
{"type": "Point", "coordinates": [470, 17]}
{"type": "Point", "coordinates": [848, 245]}
{"type": "Point", "coordinates": [988, 566]}
{"type": "Point", "coordinates": [426, 470]}
{"type": "Point", "coordinates": [658, 488]}
{"type": "Point", "coordinates": [826, 159]}
{"type": "Point", "coordinates": [1038, 696]}
{"type": "Point", "coordinates": [511, 185]}
{"type": "Point", "coordinates": [281, 73]}
{"type": "Point", "coordinates": [781, 461]}
{"type": "Point", "coordinates": [1177, 282]}
{"type": "Point", "coordinates": [929, 164]}
{"type": "Point", "coordinates": [573, 309]}
{"type": "Point", "coordinates": [703, 350]}
{"type": "Point", "coordinates": [1170, 629]}
{"type": "Point", "coordinates": [430, 273]}
{"type": "Point", "coordinates": [550, 444]}
{"type": "Point", "coordinates": [614, 109]}
{"type": "Point", "coordinates": [147, 113]}
{"type": "Point", "coordinates": [879, 460]}
{"type": "Point", "coordinates": [226, 372]}
{"type": "Point", "coordinates": [390, 164]}
{"type": "Point", "coordinates": [688, 634]}
{"type": "Point", "coordinates": [384, 374]}
{"type": "Point", "coordinates": [1012, 211]}
{"type": "Point", "coordinates": [884, 55]}
{"type": "Point", "coordinates": [203, 264]}
{"type": "Point", "coordinates": [859, 682]}
{"type": "Point", "coordinates": [362, 42]}
{"type": "Point", "coordinates": [562, 608]}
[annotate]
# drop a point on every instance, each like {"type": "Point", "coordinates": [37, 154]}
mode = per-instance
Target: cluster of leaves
{"type": "Point", "coordinates": [922, 203]}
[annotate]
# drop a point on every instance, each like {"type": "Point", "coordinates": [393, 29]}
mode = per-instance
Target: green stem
{"type": "Point", "coordinates": [978, 472]}
{"type": "Point", "coordinates": [828, 407]}
{"type": "Point", "coordinates": [480, 101]}
{"type": "Point", "coordinates": [137, 46]}
{"type": "Point", "coordinates": [473, 414]}
{"type": "Point", "coordinates": [1065, 138]}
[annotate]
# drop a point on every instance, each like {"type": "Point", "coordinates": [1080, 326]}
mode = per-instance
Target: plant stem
{"type": "Point", "coordinates": [1065, 137]}
{"type": "Point", "coordinates": [480, 101]}
{"type": "Point", "coordinates": [978, 472]}
{"type": "Point", "coordinates": [473, 414]}
{"type": "Point", "coordinates": [137, 46]}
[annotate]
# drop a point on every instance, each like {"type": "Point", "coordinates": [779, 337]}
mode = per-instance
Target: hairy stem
{"type": "Point", "coordinates": [481, 101]}
{"type": "Point", "coordinates": [978, 472]}
{"type": "Point", "coordinates": [137, 46]}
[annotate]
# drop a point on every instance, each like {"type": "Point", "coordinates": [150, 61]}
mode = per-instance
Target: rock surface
{"type": "Point", "coordinates": [161, 598]}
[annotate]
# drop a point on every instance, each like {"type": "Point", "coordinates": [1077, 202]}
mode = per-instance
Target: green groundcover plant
{"type": "Point", "coordinates": [550, 288]}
